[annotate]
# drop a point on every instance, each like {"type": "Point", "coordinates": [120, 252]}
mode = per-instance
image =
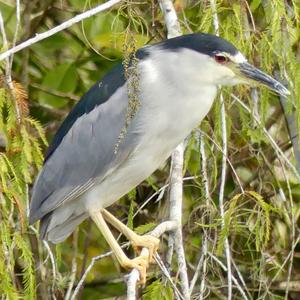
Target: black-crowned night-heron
{"type": "Point", "coordinates": [88, 166]}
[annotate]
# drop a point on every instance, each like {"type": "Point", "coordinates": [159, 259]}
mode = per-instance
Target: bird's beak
{"type": "Point", "coordinates": [250, 72]}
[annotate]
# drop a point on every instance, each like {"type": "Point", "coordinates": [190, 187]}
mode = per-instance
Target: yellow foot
{"type": "Point", "coordinates": [140, 263]}
{"type": "Point", "coordinates": [145, 241]}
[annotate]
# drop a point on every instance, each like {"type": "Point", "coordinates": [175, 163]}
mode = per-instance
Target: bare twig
{"type": "Point", "coordinates": [55, 92]}
{"type": "Point", "coordinates": [164, 269]}
{"type": "Point", "coordinates": [8, 65]}
{"type": "Point", "coordinates": [53, 264]}
{"type": "Point", "coordinates": [279, 271]}
{"type": "Point", "coordinates": [274, 145]}
{"type": "Point", "coordinates": [2, 30]}
{"type": "Point", "coordinates": [88, 269]}
{"type": "Point", "coordinates": [16, 30]}
{"type": "Point", "coordinates": [50, 255]}
{"type": "Point", "coordinates": [74, 265]}
{"type": "Point", "coordinates": [160, 194]}
{"type": "Point", "coordinates": [202, 264]}
{"type": "Point", "coordinates": [224, 165]}
{"type": "Point", "coordinates": [241, 278]}
{"type": "Point", "coordinates": [64, 25]}
{"type": "Point", "coordinates": [232, 277]}
{"type": "Point", "coordinates": [221, 195]}
{"type": "Point", "coordinates": [227, 158]}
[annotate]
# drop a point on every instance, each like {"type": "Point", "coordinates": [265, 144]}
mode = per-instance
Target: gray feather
{"type": "Point", "coordinates": [83, 157]}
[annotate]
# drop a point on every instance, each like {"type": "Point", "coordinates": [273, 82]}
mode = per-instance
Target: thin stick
{"type": "Point", "coordinates": [227, 158]}
{"type": "Point", "coordinates": [232, 277]}
{"type": "Point", "coordinates": [164, 269]}
{"type": "Point", "coordinates": [224, 165]}
{"type": "Point", "coordinates": [221, 196]}
{"type": "Point", "coordinates": [203, 257]}
{"type": "Point", "coordinates": [74, 265]}
{"type": "Point", "coordinates": [88, 269]}
{"type": "Point", "coordinates": [18, 12]}
{"type": "Point", "coordinates": [61, 27]}
{"type": "Point", "coordinates": [272, 141]}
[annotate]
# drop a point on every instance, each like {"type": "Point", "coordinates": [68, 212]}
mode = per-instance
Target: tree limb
{"type": "Point", "coordinates": [176, 181]}
{"type": "Point", "coordinates": [61, 27]}
{"type": "Point", "coordinates": [134, 275]}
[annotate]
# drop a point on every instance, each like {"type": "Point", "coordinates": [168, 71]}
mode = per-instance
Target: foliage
{"type": "Point", "coordinates": [262, 206]}
{"type": "Point", "coordinates": [156, 290]}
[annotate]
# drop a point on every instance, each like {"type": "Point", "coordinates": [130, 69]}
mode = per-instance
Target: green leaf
{"type": "Point", "coordinates": [157, 290]}
{"type": "Point", "coordinates": [62, 78]}
{"type": "Point", "coordinates": [145, 228]}
{"type": "Point", "coordinates": [254, 5]}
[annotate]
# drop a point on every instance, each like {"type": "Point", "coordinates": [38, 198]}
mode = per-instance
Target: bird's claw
{"type": "Point", "coordinates": [140, 263]}
{"type": "Point", "coordinates": [146, 241]}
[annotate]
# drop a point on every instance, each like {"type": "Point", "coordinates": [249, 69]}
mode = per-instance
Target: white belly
{"type": "Point", "coordinates": [122, 180]}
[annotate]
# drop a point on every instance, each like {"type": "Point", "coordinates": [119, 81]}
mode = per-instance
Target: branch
{"type": "Point", "coordinates": [176, 240]}
{"type": "Point", "coordinates": [173, 27]}
{"type": "Point", "coordinates": [74, 265]}
{"type": "Point", "coordinates": [221, 195]}
{"type": "Point", "coordinates": [170, 17]}
{"type": "Point", "coordinates": [273, 143]}
{"type": "Point", "coordinates": [244, 296]}
{"type": "Point", "coordinates": [176, 215]}
{"type": "Point", "coordinates": [61, 27]}
{"type": "Point", "coordinates": [165, 271]}
{"type": "Point", "coordinates": [224, 165]}
{"type": "Point", "coordinates": [202, 264]}
{"type": "Point", "coordinates": [88, 269]}
{"type": "Point", "coordinates": [134, 275]}
{"type": "Point", "coordinates": [8, 63]}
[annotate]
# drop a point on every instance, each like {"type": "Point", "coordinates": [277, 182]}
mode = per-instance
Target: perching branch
{"type": "Point", "coordinates": [41, 36]}
{"type": "Point", "coordinates": [176, 240]}
{"type": "Point", "coordinates": [176, 182]}
{"type": "Point", "coordinates": [133, 277]}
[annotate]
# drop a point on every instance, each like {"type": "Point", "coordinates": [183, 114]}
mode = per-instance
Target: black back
{"type": "Point", "coordinates": [98, 94]}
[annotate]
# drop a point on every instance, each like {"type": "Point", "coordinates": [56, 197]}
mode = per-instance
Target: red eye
{"type": "Point", "coordinates": [221, 59]}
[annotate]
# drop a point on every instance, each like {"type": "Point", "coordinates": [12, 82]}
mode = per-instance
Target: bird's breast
{"type": "Point", "coordinates": [168, 113]}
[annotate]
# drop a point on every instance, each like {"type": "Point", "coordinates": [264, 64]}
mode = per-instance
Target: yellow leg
{"type": "Point", "coordinates": [137, 241]}
{"type": "Point", "coordinates": [140, 262]}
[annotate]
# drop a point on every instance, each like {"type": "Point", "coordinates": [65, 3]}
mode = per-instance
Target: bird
{"type": "Point", "coordinates": [106, 146]}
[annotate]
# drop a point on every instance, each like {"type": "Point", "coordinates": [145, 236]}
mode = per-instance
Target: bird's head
{"type": "Point", "coordinates": [237, 70]}
{"type": "Point", "coordinates": [219, 61]}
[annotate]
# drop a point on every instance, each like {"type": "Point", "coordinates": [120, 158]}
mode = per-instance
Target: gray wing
{"type": "Point", "coordinates": [85, 153]}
